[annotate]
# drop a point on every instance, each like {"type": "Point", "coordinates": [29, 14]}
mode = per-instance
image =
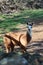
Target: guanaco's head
{"type": "Point", "coordinates": [29, 26]}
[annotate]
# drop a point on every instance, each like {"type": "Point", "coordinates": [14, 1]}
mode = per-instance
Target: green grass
{"type": "Point", "coordinates": [8, 22]}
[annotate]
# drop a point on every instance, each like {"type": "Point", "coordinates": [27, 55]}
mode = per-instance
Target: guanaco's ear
{"type": "Point", "coordinates": [32, 24]}
{"type": "Point", "coordinates": [27, 23]}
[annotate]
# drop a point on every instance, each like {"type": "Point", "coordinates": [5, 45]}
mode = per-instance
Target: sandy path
{"type": "Point", "coordinates": [36, 44]}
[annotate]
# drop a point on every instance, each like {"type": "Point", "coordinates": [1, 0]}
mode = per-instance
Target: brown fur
{"type": "Point", "coordinates": [16, 38]}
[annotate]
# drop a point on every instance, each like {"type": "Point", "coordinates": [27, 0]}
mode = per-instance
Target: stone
{"type": "Point", "coordinates": [13, 59]}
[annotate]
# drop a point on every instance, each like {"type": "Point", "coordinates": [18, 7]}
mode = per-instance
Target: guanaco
{"type": "Point", "coordinates": [12, 39]}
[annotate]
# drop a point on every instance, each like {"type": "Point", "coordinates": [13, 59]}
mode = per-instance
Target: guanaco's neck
{"type": "Point", "coordinates": [29, 33]}
{"type": "Point", "coordinates": [28, 37]}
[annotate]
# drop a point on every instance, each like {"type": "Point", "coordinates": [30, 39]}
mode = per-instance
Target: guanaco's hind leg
{"type": "Point", "coordinates": [12, 46]}
{"type": "Point", "coordinates": [8, 49]}
{"type": "Point", "coordinates": [7, 43]}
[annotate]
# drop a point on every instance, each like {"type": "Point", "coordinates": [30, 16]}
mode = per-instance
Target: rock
{"type": "Point", "coordinates": [13, 59]}
{"type": "Point", "coordinates": [16, 58]}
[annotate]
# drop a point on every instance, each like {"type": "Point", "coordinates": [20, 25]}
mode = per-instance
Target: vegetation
{"type": "Point", "coordinates": [9, 22]}
{"type": "Point", "coordinates": [16, 12]}
{"type": "Point", "coordinates": [9, 6]}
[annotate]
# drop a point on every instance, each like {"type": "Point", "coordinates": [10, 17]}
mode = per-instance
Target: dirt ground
{"type": "Point", "coordinates": [37, 39]}
{"type": "Point", "coordinates": [35, 47]}
{"type": "Point", "coordinates": [36, 44]}
{"type": "Point", "coordinates": [37, 34]}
